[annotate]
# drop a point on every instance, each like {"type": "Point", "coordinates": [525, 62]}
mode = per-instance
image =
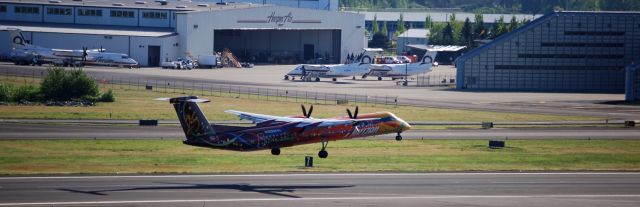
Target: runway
{"type": "Point", "coordinates": [412, 189]}
{"type": "Point", "coordinates": [87, 131]}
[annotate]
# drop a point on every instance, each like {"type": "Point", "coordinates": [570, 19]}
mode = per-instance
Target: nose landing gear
{"type": "Point", "coordinates": [398, 137]}
{"type": "Point", "coordinates": [275, 151]}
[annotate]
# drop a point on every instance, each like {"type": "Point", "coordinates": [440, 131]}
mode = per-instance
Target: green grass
{"type": "Point", "coordinates": [135, 103]}
{"type": "Point", "coordinates": [170, 156]}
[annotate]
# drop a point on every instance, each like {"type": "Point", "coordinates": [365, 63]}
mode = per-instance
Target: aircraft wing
{"type": "Point", "coordinates": [67, 53]}
{"type": "Point", "coordinates": [261, 118]}
{"type": "Point", "coordinates": [315, 67]}
{"type": "Point", "coordinates": [380, 67]}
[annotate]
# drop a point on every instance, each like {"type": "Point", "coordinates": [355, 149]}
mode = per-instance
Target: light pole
{"type": "Point", "coordinates": [406, 65]}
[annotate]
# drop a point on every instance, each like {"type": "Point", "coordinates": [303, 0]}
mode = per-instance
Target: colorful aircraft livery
{"type": "Point", "coordinates": [275, 132]}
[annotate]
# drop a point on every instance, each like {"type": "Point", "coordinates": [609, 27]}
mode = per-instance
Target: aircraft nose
{"type": "Point", "coordinates": [404, 126]}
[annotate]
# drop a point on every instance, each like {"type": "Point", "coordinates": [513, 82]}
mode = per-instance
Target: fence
{"type": "Point", "coordinates": [225, 90]}
{"type": "Point", "coordinates": [431, 80]}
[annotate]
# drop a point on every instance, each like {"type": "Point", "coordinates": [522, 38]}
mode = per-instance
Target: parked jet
{"type": "Point", "coordinates": [275, 132]}
{"type": "Point", "coordinates": [65, 57]}
{"type": "Point", "coordinates": [402, 70]}
{"type": "Point", "coordinates": [358, 67]}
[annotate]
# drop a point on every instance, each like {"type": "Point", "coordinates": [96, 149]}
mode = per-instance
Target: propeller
{"type": "Point", "coordinates": [354, 115]}
{"type": "Point", "coordinates": [304, 111]}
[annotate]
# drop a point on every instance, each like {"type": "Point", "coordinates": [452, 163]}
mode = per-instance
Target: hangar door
{"type": "Point", "coordinates": [280, 46]}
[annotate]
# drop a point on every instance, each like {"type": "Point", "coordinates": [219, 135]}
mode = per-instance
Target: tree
{"type": "Point", "coordinates": [400, 24]}
{"type": "Point", "coordinates": [428, 22]}
{"type": "Point", "coordinates": [513, 24]}
{"type": "Point", "coordinates": [375, 28]}
{"type": "Point", "coordinates": [480, 32]}
{"type": "Point", "coordinates": [467, 33]}
{"type": "Point", "coordinates": [379, 40]}
{"type": "Point", "coordinates": [499, 28]}
{"type": "Point", "coordinates": [384, 29]}
{"type": "Point", "coordinates": [447, 34]}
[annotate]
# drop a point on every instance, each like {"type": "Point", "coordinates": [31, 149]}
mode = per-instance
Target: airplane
{"type": "Point", "coordinates": [23, 49]}
{"type": "Point", "coordinates": [275, 132]}
{"type": "Point", "coordinates": [402, 70]}
{"type": "Point", "coordinates": [358, 67]}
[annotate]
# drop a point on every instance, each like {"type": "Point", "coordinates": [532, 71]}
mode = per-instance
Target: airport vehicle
{"type": "Point", "coordinates": [390, 60]}
{"type": "Point", "coordinates": [68, 57]}
{"type": "Point", "coordinates": [209, 61]}
{"type": "Point", "coordinates": [403, 59]}
{"type": "Point", "coordinates": [275, 132]}
{"type": "Point", "coordinates": [26, 58]}
{"type": "Point", "coordinates": [359, 67]}
{"type": "Point", "coordinates": [396, 71]}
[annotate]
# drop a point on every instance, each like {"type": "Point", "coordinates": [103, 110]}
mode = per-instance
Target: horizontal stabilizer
{"type": "Point", "coordinates": [192, 99]}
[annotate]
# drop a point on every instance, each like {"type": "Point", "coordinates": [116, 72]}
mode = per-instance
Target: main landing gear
{"type": "Point", "coordinates": [399, 137]}
{"type": "Point", "coordinates": [275, 151]}
{"type": "Point", "coordinates": [323, 152]}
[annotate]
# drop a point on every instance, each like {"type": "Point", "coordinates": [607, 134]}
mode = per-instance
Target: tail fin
{"type": "Point", "coordinates": [429, 57]}
{"type": "Point", "coordinates": [17, 40]}
{"type": "Point", "coordinates": [192, 120]}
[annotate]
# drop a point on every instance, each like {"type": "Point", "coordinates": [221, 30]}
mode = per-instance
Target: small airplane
{"type": "Point", "coordinates": [358, 67]}
{"type": "Point", "coordinates": [396, 71]}
{"type": "Point", "coordinates": [23, 49]}
{"type": "Point", "coordinates": [275, 132]}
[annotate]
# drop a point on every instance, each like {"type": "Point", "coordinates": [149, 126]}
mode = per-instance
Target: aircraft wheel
{"type": "Point", "coordinates": [275, 151]}
{"type": "Point", "coordinates": [317, 79]}
{"type": "Point", "coordinates": [323, 154]}
{"type": "Point", "coordinates": [334, 79]}
{"type": "Point", "coordinates": [379, 78]}
{"type": "Point", "coordinates": [405, 83]}
{"type": "Point", "coordinates": [398, 138]}
{"type": "Point", "coordinates": [293, 78]}
{"type": "Point", "coordinates": [286, 77]}
{"type": "Point", "coordinates": [353, 78]}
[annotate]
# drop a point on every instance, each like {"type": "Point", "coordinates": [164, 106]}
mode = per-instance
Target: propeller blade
{"type": "Point", "coordinates": [310, 110]}
{"type": "Point", "coordinates": [355, 114]}
{"type": "Point", "coordinates": [304, 110]}
{"type": "Point", "coordinates": [349, 112]}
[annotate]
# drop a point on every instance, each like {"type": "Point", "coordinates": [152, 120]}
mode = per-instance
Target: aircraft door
{"type": "Point", "coordinates": [153, 55]}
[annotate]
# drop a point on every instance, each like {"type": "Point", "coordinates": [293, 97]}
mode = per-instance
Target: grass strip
{"type": "Point", "coordinates": [20, 157]}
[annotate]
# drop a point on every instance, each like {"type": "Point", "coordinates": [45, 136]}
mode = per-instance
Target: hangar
{"type": "Point", "coordinates": [154, 31]}
{"type": "Point", "coordinates": [561, 51]}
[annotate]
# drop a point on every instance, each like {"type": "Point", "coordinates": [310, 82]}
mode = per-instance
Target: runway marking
{"type": "Point", "coordinates": [328, 174]}
{"type": "Point", "coordinates": [318, 199]}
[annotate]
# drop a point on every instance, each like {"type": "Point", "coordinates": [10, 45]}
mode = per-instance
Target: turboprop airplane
{"type": "Point", "coordinates": [67, 57]}
{"type": "Point", "coordinates": [275, 132]}
{"type": "Point", "coordinates": [402, 70]}
{"type": "Point", "coordinates": [359, 67]}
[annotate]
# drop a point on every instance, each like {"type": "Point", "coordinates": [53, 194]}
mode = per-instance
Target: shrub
{"type": "Point", "coordinates": [108, 96]}
{"type": "Point", "coordinates": [26, 93]}
{"type": "Point", "coordinates": [5, 92]}
{"type": "Point", "coordinates": [61, 85]}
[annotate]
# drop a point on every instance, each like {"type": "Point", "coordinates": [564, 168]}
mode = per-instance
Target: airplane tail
{"type": "Point", "coordinates": [17, 40]}
{"type": "Point", "coordinates": [429, 57]}
{"type": "Point", "coordinates": [192, 120]}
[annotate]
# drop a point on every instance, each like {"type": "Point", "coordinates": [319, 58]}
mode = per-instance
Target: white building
{"type": "Point", "coordinates": [153, 31]}
{"type": "Point", "coordinates": [411, 37]}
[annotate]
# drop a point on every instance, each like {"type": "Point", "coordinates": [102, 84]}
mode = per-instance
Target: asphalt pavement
{"type": "Point", "coordinates": [124, 131]}
{"type": "Point", "coordinates": [402, 189]}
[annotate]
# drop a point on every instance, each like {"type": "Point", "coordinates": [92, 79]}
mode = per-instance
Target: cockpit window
{"type": "Point", "coordinates": [125, 57]}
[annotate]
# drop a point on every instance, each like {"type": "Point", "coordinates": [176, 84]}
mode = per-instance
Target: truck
{"type": "Point", "coordinates": [209, 61]}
